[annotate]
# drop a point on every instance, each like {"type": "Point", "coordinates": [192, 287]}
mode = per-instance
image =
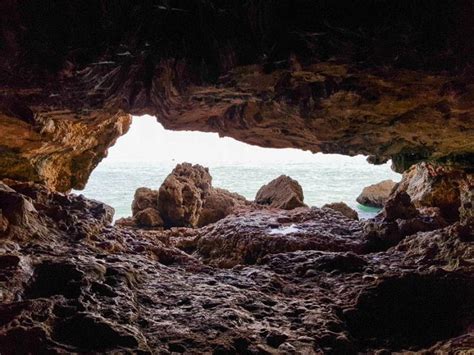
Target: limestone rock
{"type": "Point", "coordinates": [218, 204]}
{"type": "Point", "coordinates": [247, 237]}
{"type": "Point", "coordinates": [466, 210]}
{"type": "Point", "coordinates": [377, 194]}
{"type": "Point", "coordinates": [343, 208]}
{"type": "Point", "coordinates": [149, 217]}
{"type": "Point", "coordinates": [399, 206]}
{"type": "Point", "coordinates": [282, 192]}
{"type": "Point", "coordinates": [304, 277]}
{"type": "Point", "coordinates": [435, 185]}
{"type": "Point", "coordinates": [144, 198]}
{"type": "Point", "coordinates": [187, 198]}
{"type": "Point", "coordinates": [182, 194]}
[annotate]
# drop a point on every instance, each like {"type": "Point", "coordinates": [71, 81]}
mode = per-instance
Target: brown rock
{"type": "Point", "coordinates": [282, 192]}
{"type": "Point", "coordinates": [434, 185]}
{"type": "Point", "coordinates": [182, 193]}
{"type": "Point", "coordinates": [377, 194]}
{"type": "Point", "coordinates": [246, 237]}
{"type": "Point", "coordinates": [187, 198]}
{"type": "Point", "coordinates": [399, 206]}
{"type": "Point", "coordinates": [144, 198]}
{"type": "Point", "coordinates": [3, 223]}
{"type": "Point", "coordinates": [343, 208]}
{"type": "Point", "coordinates": [149, 217]}
{"type": "Point", "coordinates": [218, 204]}
{"type": "Point", "coordinates": [466, 211]}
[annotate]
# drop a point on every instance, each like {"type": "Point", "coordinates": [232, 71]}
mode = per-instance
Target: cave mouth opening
{"type": "Point", "coordinates": [148, 153]}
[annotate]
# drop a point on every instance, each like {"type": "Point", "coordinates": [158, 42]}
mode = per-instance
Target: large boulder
{"type": "Point", "coordinates": [344, 209]}
{"type": "Point", "coordinates": [187, 198]}
{"type": "Point", "coordinates": [434, 185]}
{"type": "Point", "coordinates": [377, 194]}
{"type": "Point", "coordinates": [282, 192]}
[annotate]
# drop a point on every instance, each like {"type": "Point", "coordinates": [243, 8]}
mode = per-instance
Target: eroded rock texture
{"type": "Point", "coordinates": [186, 198]}
{"type": "Point", "coordinates": [389, 79]}
{"type": "Point", "coordinates": [282, 192]}
{"type": "Point", "coordinates": [301, 282]}
{"type": "Point", "coordinates": [376, 195]}
{"type": "Point", "coordinates": [381, 78]}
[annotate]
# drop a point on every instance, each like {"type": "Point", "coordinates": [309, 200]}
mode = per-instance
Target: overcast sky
{"type": "Point", "coordinates": [147, 140]}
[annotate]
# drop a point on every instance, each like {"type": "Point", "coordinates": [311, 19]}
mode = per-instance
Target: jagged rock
{"type": "Point", "coordinates": [302, 277]}
{"type": "Point", "coordinates": [247, 237]}
{"type": "Point", "coordinates": [377, 194]}
{"type": "Point", "coordinates": [398, 220]}
{"type": "Point", "coordinates": [399, 206]}
{"type": "Point", "coordinates": [187, 198]}
{"type": "Point", "coordinates": [466, 211]}
{"type": "Point", "coordinates": [62, 106]}
{"type": "Point", "coordinates": [149, 217]}
{"type": "Point", "coordinates": [144, 198]}
{"type": "Point", "coordinates": [282, 192]}
{"type": "Point", "coordinates": [343, 208]}
{"type": "Point", "coordinates": [315, 75]}
{"type": "Point", "coordinates": [182, 193]}
{"type": "Point", "coordinates": [435, 185]}
{"type": "Point", "coordinates": [218, 204]}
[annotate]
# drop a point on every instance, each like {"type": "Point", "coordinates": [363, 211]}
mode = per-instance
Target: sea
{"type": "Point", "coordinates": [325, 179]}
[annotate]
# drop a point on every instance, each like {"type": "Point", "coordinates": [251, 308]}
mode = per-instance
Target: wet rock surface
{"type": "Point", "coordinates": [282, 192]}
{"type": "Point", "coordinates": [377, 194]}
{"type": "Point", "coordinates": [258, 281]}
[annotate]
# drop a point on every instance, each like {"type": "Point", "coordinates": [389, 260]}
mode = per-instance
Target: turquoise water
{"type": "Point", "coordinates": [327, 178]}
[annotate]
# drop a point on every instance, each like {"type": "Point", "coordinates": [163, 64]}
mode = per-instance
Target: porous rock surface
{"type": "Point", "coordinates": [282, 192]}
{"type": "Point", "coordinates": [316, 75]}
{"type": "Point", "coordinates": [377, 194]}
{"type": "Point", "coordinates": [436, 185]}
{"type": "Point", "coordinates": [388, 79]}
{"type": "Point", "coordinates": [343, 208]}
{"type": "Point", "coordinates": [186, 198]}
{"type": "Point", "coordinates": [91, 287]}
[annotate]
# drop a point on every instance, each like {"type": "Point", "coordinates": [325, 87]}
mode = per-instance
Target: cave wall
{"type": "Point", "coordinates": [389, 79]}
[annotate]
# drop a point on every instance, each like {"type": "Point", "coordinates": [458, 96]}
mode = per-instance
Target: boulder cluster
{"type": "Point", "coordinates": [185, 199]}
{"type": "Point", "coordinates": [261, 279]}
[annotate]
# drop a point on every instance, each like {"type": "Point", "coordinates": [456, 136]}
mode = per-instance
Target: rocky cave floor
{"type": "Point", "coordinates": [71, 282]}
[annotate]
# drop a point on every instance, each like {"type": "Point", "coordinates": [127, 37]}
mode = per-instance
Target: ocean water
{"type": "Point", "coordinates": [326, 178]}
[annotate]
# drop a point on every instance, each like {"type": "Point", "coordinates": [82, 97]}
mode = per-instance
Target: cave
{"type": "Point", "coordinates": [197, 268]}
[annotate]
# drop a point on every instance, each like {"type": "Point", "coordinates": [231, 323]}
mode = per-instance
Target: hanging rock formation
{"type": "Point", "coordinates": [316, 75]}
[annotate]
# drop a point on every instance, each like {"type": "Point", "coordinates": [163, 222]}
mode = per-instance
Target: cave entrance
{"type": "Point", "coordinates": [148, 153]}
